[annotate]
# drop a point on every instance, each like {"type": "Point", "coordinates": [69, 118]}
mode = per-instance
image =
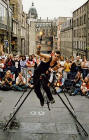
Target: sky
{"type": "Point", "coordinates": [53, 8]}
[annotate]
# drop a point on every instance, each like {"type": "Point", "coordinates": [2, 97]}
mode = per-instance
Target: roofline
{"type": "Point", "coordinates": [80, 6]}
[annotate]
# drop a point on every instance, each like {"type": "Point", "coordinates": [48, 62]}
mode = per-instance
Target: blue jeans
{"type": "Point", "coordinates": [77, 90]}
{"type": "Point", "coordinates": [19, 87]}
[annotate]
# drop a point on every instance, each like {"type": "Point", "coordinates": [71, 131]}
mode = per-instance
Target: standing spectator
{"type": "Point", "coordinates": [62, 62]}
{"type": "Point", "coordinates": [78, 63]}
{"type": "Point", "coordinates": [85, 66]}
{"type": "Point", "coordinates": [17, 66]}
{"type": "Point", "coordinates": [10, 64]}
{"type": "Point", "coordinates": [33, 58]}
{"type": "Point", "coordinates": [23, 66]}
{"type": "Point", "coordinates": [67, 67]}
{"type": "Point", "coordinates": [30, 63]}
{"type": "Point", "coordinates": [1, 69]}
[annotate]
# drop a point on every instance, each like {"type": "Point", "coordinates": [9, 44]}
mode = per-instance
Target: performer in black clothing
{"type": "Point", "coordinates": [41, 69]}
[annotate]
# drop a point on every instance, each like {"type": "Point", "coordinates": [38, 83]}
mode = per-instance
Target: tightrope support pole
{"type": "Point", "coordinates": [5, 127]}
{"type": "Point", "coordinates": [19, 99]}
{"type": "Point", "coordinates": [86, 134]}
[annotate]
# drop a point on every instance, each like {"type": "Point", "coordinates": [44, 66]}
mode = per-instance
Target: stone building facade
{"type": "Point", "coordinates": [32, 38]}
{"type": "Point", "coordinates": [41, 31]}
{"type": "Point", "coordinates": [66, 38]}
{"type": "Point", "coordinates": [81, 31]}
{"type": "Point", "coordinates": [5, 25]}
{"type": "Point", "coordinates": [46, 30]}
{"type": "Point", "coordinates": [60, 21]}
{"type": "Point", "coordinates": [19, 39]}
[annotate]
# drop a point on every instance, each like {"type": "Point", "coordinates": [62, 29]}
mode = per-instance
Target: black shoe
{"type": "Point", "coordinates": [52, 101]}
{"type": "Point", "coordinates": [41, 103]}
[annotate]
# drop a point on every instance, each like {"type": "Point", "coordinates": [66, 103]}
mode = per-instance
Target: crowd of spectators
{"type": "Point", "coordinates": [16, 73]}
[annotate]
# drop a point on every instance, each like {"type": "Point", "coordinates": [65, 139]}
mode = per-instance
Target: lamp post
{"type": "Point", "coordinates": [41, 33]}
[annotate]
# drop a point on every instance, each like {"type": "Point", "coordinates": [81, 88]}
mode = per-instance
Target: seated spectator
{"type": "Point", "coordinates": [73, 71]}
{"type": "Point", "coordinates": [6, 83]}
{"type": "Point", "coordinates": [77, 83]}
{"type": "Point", "coordinates": [59, 83]}
{"type": "Point", "coordinates": [20, 83]}
{"type": "Point", "coordinates": [30, 79]}
{"type": "Point", "coordinates": [78, 79]}
{"type": "Point", "coordinates": [1, 69]}
{"type": "Point", "coordinates": [85, 87]}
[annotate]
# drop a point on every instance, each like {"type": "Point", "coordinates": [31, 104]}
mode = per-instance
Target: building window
{"type": "Point", "coordinates": [74, 33]}
{"type": "Point", "coordinates": [80, 21]}
{"type": "Point", "coordinates": [85, 19]}
{"type": "Point", "coordinates": [3, 15]}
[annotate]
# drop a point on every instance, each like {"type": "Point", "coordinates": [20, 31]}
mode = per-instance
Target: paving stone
{"type": "Point", "coordinates": [38, 128]}
{"type": "Point", "coordinates": [19, 136]}
{"type": "Point", "coordinates": [64, 137]}
{"type": "Point", "coordinates": [39, 123]}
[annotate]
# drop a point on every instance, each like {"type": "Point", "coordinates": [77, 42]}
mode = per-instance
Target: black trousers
{"type": "Point", "coordinates": [37, 87]}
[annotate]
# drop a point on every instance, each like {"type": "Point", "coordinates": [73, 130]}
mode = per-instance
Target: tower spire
{"type": "Point", "coordinates": [32, 3]}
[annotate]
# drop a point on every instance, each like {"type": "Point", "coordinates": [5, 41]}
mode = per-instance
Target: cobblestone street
{"type": "Point", "coordinates": [37, 123]}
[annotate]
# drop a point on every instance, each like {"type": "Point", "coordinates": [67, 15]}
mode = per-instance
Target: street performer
{"type": "Point", "coordinates": [41, 69]}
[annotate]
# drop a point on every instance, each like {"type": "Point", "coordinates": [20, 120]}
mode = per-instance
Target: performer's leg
{"type": "Point", "coordinates": [47, 90]}
{"type": "Point", "coordinates": [38, 93]}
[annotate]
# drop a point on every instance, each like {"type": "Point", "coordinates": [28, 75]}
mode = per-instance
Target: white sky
{"type": "Point", "coordinates": [53, 8]}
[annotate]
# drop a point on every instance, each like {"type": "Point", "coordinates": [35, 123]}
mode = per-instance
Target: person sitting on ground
{"type": "Point", "coordinates": [30, 79]}
{"type": "Point", "coordinates": [6, 83]}
{"type": "Point", "coordinates": [78, 79]}
{"type": "Point", "coordinates": [77, 83]}
{"type": "Point", "coordinates": [59, 83]}
{"type": "Point", "coordinates": [85, 87]}
{"type": "Point", "coordinates": [20, 83]}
